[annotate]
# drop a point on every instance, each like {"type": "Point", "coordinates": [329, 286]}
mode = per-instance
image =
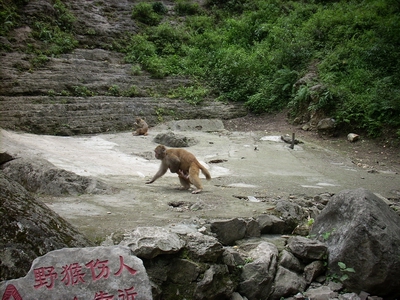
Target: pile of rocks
{"type": "Point", "coordinates": [299, 251]}
{"type": "Point", "coordinates": [245, 258]}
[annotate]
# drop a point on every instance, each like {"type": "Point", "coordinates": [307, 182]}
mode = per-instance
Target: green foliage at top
{"type": "Point", "coordinates": [149, 13]}
{"type": "Point", "coordinates": [9, 14]}
{"type": "Point", "coordinates": [254, 51]}
{"type": "Point", "coordinates": [54, 30]}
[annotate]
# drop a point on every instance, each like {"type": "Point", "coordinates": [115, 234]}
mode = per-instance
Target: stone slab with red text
{"type": "Point", "coordinates": [97, 273]}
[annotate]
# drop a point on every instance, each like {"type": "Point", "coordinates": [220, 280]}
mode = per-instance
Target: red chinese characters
{"type": "Point", "coordinates": [72, 274]}
{"type": "Point", "coordinates": [101, 267]}
{"type": "Point", "coordinates": [75, 274]}
{"type": "Point", "coordinates": [44, 276]}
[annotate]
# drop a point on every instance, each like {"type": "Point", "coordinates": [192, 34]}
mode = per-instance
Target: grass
{"type": "Point", "coordinates": [253, 52]}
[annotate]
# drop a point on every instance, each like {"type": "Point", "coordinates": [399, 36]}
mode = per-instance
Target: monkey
{"type": "Point", "coordinates": [183, 163]}
{"type": "Point", "coordinates": [141, 126]}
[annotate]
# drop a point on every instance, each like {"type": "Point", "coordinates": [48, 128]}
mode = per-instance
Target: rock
{"type": "Point", "coordinates": [82, 273]}
{"type": "Point", "coordinates": [29, 229]}
{"type": "Point", "coordinates": [335, 286]}
{"type": "Point", "coordinates": [202, 247]}
{"type": "Point", "coordinates": [349, 296]}
{"type": "Point", "coordinates": [5, 157]}
{"type": "Point", "coordinates": [149, 242]}
{"type": "Point", "coordinates": [313, 270]}
{"type": "Point", "coordinates": [287, 283]}
{"type": "Point", "coordinates": [362, 232]}
{"type": "Point", "coordinates": [306, 249]}
{"type": "Point", "coordinates": [271, 224]}
{"type": "Point", "coordinates": [171, 139]}
{"type": "Point", "coordinates": [232, 258]}
{"type": "Point", "coordinates": [320, 293]}
{"type": "Point", "coordinates": [237, 296]}
{"type": "Point", "coordinates": [216, 284]}
{"type": "Point", "coordinates": [352, 137]}
{"type": "Point", "coordinates": [326, 124]}
{"type": "Point", "coordinates": [40, 176]}
{"type": "Point", "coordinates": [183, 271]}
{"type": "Point", "coordinates": [291, 262]}
{"type": "Point", "coordinates": [292, 215]}
{"type": "Point", "coordinates": [252, 228]}
{"type": "Point", "coordinates": [206, 125]}
{"type": "Point", "coordinates": [229, 231]}
{"type": "Point", "coordinates": [257, 276]}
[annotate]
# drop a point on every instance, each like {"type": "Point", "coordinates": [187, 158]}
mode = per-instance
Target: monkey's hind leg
{"type": "Point", "coordinates": [194, 179]}
{"type": "Point", "coordinates": [185, 182]}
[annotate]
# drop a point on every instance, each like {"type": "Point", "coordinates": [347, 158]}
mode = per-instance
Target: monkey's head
{"type": "Point", "coordinates": [138, 120]}
{"type": "Point", "coordinates": [160, 151]}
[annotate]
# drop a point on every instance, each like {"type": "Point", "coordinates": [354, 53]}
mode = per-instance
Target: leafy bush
{"type": "Point", "coordinates": [114, 90]}
{"type": "Point", "coordinates": [184, 7]}
{"type": "Point", "coordinates": [192, 94]}
{"type": "Point", "coordinates": [82, 91]}
{"type": "Point", "coordinates": [254, 51]}
{"type": "Point", "coordinates": [56, 40]}
{"type": "Point", "coordinates": [147, 13]}
{"type": "Point", "coordinates": [275, 94]}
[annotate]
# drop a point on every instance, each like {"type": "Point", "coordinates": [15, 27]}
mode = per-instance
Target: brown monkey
{"type": "Point", "coordinates": [184, 164]}
{"type": "Point", "coordinates": [141, 126]}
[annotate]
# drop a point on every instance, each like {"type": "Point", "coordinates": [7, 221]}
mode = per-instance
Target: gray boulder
{"type": "Point", "coordinates": [287, 283]}
{"type": "Point", "coordinates": [252, 228]}
{"type": "Point", "coordinates": [171, 139]}
{"type": "Point", "coordinates": [306, 249]}
{"type": "Point", "coordinates": [320, 293]}
{"type": "Point", "coordinates": [5, 157]}
{"type": "Point", "coordinates": [271, 224]}
{"type": "Point", "coordinates": [291, 213]}
{"type": "Point", "coordinates": [183, 271]}
{"type": "Point", "coordinates": [40, 176]}
{"type": "Point", "coordinates": [149, 242]}
{"type": "Point", "coordinates": [215, 285]}
{"type": "Point", "coordinates": [257, 276]}
{"type": "Point", "coordinates": [313, 270]}
{"type": "Point", "coordinates": [82, 273]}
{"type": "Point", "coordinates": [202, 247]}
{"type": "Point", "coordinates": [205, 125]}
{"type": "Point", "coordinates": [291, 262]}
{"type": "Point", "coordinates": [362, 232]}
{"type": "Point", "coordinates": [229, 231]}
{"type": "Point", "coordinates": [29, 229]}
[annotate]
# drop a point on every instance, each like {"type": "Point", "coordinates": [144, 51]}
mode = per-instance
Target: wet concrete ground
{"type": "Point", "coordinates": [250, 172]}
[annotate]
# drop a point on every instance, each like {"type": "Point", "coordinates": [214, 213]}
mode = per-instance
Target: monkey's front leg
{"type": "Point", "coordinates": [160, 173]}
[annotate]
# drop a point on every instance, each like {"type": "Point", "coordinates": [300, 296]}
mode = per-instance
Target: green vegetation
{"type": "Point", "coordinates": [82, 91]}
{"type": "Point", "coordinates": [191, 94]}
{"type": "Point", "coordinates": [254, 51]}
{"type": "Point", "coordinates": [343, 273]}
{"type": "Point", "coordinates": [54, 31]}
{"type": "Point", "coordinates": [149, 14]}
{"type": "Point", "coordinates": [9, 16]}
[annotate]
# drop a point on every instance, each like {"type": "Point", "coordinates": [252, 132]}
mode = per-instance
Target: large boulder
{"type": "Point", "coordinates": [171, 139]}
{"type": "Point", "coordinates": [40, 176]}
{"type": "Point", "coordinates": [256, 279]}
{"type": "Point", "coordinates": [229, 231]}
{"type": "Point", "coordinates": [362, 232]}
{"type": "Point", "coordinates": [29, 229]}
{"type": "Point", "coordinates": [216, 284]}
{"type": "Point", "coordinates": [149, 242]}
{"type": "Point", "coordinates": [82, 273]}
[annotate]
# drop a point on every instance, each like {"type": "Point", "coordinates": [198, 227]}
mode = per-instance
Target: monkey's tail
{"type": "Point", "coordinates": [205, 172]}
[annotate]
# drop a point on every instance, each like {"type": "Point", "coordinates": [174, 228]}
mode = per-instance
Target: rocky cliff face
{"type": "Point", "coordinates": [90, 89]}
